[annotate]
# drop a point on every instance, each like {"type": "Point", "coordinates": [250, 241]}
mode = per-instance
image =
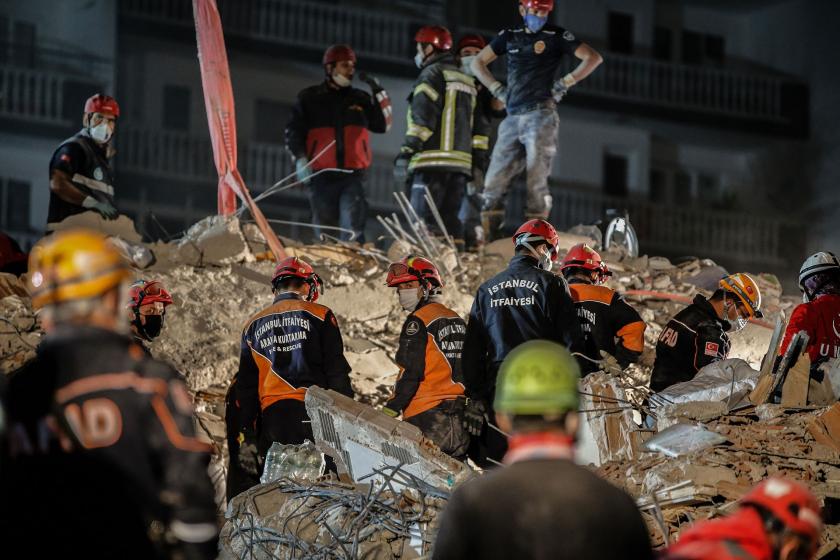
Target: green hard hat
{"type": "Point", "coordinates": [537, 377]}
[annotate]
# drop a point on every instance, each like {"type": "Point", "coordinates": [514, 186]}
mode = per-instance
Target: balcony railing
{"type": "Point", "coordinates": [33, 95]}
{"type": "Point", "coordinates": [165, 153]}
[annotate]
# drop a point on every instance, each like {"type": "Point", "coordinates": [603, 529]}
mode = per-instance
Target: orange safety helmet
{"type": "Point", "coordinates": [791, 503]}
{"type": "Point", "coordinates": [746, 290]}
{"type": "Point", "coordinates": [293, 267]}
{"type": "Point", "coordinates": [144, 292]}
{"type": "Point", "coordinates": [437, 36]}
{"type": "Point", "coordinates": [585, 257]}
{"type": "Point", "coordinates": [104, 104]}
{"type": "Point", "coordinates": [413, 268]}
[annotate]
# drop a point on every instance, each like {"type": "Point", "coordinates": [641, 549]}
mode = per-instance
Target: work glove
{"type": "Point", "coordinates": [248, 456]}
{"type": "Point", "coordinates": [559, 90]}
{"type": "Point", "coordinates": [101, 207]}
{"type": "Point", "coordinates": [390, 412]}
{"type": "Point", "coordinates": [499, 91]}
{"type": "Point", "coordinates": [302, 169]}
{"type": "Point", "coordinates": [372, 81]}
{"type": "Point", "coordinates": [401, 166]}
{"type": "Point", "coordinates": [475, 414]}
{"type": "Point", "coordinates": [609, 365]}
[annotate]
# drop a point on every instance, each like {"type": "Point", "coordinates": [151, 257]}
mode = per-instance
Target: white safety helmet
{"type": "Point", "coordinates": [824, 261]}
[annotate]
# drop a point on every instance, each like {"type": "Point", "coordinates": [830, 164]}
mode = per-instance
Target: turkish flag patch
{"type": "Point", "coordinates": [712, 348]}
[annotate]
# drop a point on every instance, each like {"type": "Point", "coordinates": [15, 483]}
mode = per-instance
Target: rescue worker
{"type": "Point", "coordinates": [697, 336]}
{"type": "Point", "coordinates": [429, 392]}
{"type": "Point", "coordinates": [487, 111]}
{"type": "Point", "coordinates": [541, 504]}
{"type": "Point", "coordinates": [779, 519]}
{"type": "Point", "coordinates": [524, 302]}
{"type": "Point", "coordinates": [103, 451]}
{"type": "Point", "coordinates": [609, 324]}
{"type": "Point", "coordinates": [528, 135]}
{"type": "Point", "coordinates": [330, 129]}
{"type": "Point", "coordinates": [819, 314]}
{"type": "Point", "coordinates": [81, 178]}
{"type": "Point", "coordinates": [290, 345]}
{"type": "Point", "coordinates": [437, 150]}
{"type": "Point", "coordinates": [147, 303]}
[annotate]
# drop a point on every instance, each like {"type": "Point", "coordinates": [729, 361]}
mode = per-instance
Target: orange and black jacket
{"type": "Point", "coordinates": [608, 323]}
{"type": "Point", "coordinates": [286, 348]}
{"type": "Point", "coordinates": [429, 358]}
{"type": "Point", "coordinates": [103, 444]}
{"type": "Point", "coordinates": [324, 114]}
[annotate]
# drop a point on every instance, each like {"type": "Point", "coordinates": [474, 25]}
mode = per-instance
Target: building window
{"type": "Point", "coordinates": [270, 118]}
{"type": "Point", "coordinates": [615, 175]}
{"type": "Point", "coordinates": [176, 108]}
{"type": "Point", "coordinates": [15, 196]}
{"type": "Point", "coordinates": [658, 186]}
{"type": "Point", "coordinates": [682, 189]}
{"type": "Point", "coordinates": [4, 39]}
{"type": "Point", "coordinates": [663, 43]}
{"type": "Point", "coordinates": [707, 188]}
{"type": "Point", "coordinates": [715, 49]}
{"type": "Point", "coordinates": [620, 32]}
{"type": "Point", "coordinates": [698, 48]}
{"type": "Point", "coordinates": [23, 43]}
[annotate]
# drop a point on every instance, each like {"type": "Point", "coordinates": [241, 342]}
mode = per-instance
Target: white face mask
{"type": "Point", "coordinates": [419, 59]}
{"type": "Point", "coordinates": [409, 298]}
{"type": "Point", "coordinates": [341, 80]}
{"type": "Point", "coordinates": [101, 132]}
{"type": "Point", "coordinates": [466, 61]}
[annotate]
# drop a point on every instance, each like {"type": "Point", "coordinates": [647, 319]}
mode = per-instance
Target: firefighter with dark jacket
{"type": "Point", "coordinates": [103, 450]}
{"type": "Point", "coordinates": [289, 346]}
{"type": "Point", "coordinates": [429, 392]}
{"type": "Point", "coordinates": [488, 110]}
{"type": "Point", "coordinates": [523, 302]}
{"type": "Point", "coordinates": [437, 150]}
{"type": "Point", "coordinates": [330, 129]}
{"type": "Point", "coordinates": [81, 178]}
{"type": "Point", "coordinates": [609, 324]}
{"type": "Point", "coordinates": [697, 336]}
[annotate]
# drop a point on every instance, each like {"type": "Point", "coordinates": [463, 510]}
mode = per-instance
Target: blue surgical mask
{"type": "Point", "coordinates": [466, 61]}
{"type": "Point", "coordinates": [419, 59]}
{"type": "Point", "coordinates": [534, 22]}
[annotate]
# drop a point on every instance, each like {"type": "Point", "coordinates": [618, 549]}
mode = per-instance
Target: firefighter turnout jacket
{"type": "Point", "coordinates": [608, 323]}
{"type": "Point", "coordinates": [103, 450]}
{"type": "Point", "coordinates": [694, 338]}
{"type": "Point", "coordinates": [429, 358]}
{"type": "Point", "coordinates": [286, 348]}
{"type": "Point", "coordinates": [440, 118]}
{"type": "Point", "coordinates": [820, 319]}
{"type": "Point", "coordinates": [521, 303]}
{"type": "Point", "coordinates": [325, 114]}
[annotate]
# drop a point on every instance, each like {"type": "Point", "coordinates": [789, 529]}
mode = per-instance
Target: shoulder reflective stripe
{"type": "Point", "coordinates": [463, 88]}
{"type": "Point", "coordinates": [684, 325]}
{"type": "Point", "coordinates": [419, 131]}
{"type": "Point", "coordinates": [110, 382]}
{"type": "Point", "coordinates": [193, 532]}
{"type": "Point", "coordinates": [481, 142]}
{"type": "Point", "coordinates": [428, 90]}
{"type": "Point", "coordinates": [456, 76]}
{"type": "Point", "coordinates": [93, 184]}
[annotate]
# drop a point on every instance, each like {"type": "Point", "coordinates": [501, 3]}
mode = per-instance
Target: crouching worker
{"type": "Point", "coordinates": [147, 303]}
{"type": "Point", "coordinates": [429, 392]}
{"type": "Point", "coordinates": [287, 347]}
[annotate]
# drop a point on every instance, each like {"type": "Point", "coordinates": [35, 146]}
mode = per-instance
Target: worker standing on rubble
{"type": "Point", "coordinates": [819, 314]}
{"type": "Point", "coordinates": [777, 520]}
{"type": "Point", "coordinates": [487, 111]}
{"type": "Point", "coordinates": [147, 303]}
{"type": "Point", "coordinates": [81, 178]}
{"type": "Point", "coordinates": [609, 325]}
{"type": "Point", "coordinates": [540, 505]}
{"type": "Point", "coordinates": [438, 145]}
{"type": "Point", "coordinates": [290, 345]}
{"type": "Point", "coordinates": [429, 392]}
{"type": "Point", "coordinates": [524, 302]}
{"type": "Point", "coordinates": [104, 460]}
{"type": "Point", "coordinates": [330, 129]}
{"type": "Point", "coordinates": [697, 336]}
{"type": "Point", "coordinates": [528, 135]}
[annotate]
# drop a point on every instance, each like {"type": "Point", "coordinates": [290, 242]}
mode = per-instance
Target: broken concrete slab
{"type": "Point", "coordinates": [826, 427]}
{"type": "Point", "coordinates": [606, 421]}
{"type": "Point", "coordinates": [122, 227]}
{"type": "Point", "coordinates": [214, 240]}
{"type": "Point", "coordinates": [11, 285]}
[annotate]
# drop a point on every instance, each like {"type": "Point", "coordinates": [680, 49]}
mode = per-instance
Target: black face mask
{"type": "Point", "coordinates": [152, 328]}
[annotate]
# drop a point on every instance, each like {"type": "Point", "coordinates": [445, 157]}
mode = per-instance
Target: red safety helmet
{"type": "Point", "coordinates": [471, 40]}
{"type": "Point", "coordinates": [537, 5]}
{"type": "Point", "coordinates": [144, 292]}
{"type": "Point", "coordinates": [534, 231]}
{"type": "Point", "coordinates": [293, 267]}
{"type": "Point", "coordinates": [104, 104]}
{"type": "Point", "coordinates": [338, 53]}
{"type": "Point", "coordinates": [437, 36]}
{"type": "Point", "coordinates": [413, 268]}
{"type": "Point", "coordinates": [585, 257]}
{"type": "Point", "coordinates": [791, 503]}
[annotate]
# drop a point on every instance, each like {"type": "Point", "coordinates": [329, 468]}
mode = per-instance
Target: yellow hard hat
{"type": "Point", "coordinates": [74, 265]}
{"type": "Point", "coordinates": [746, 289]}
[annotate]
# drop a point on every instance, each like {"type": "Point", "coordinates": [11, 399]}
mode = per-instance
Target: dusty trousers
{"type": "Point", "coordinates": [447, 190]}
{"type": "Point", "coordinates": [526, 141]}
{"type": "Point", "coordinates": [338, 200]}
{"type": "Point", "coordinates": [444, 425]}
